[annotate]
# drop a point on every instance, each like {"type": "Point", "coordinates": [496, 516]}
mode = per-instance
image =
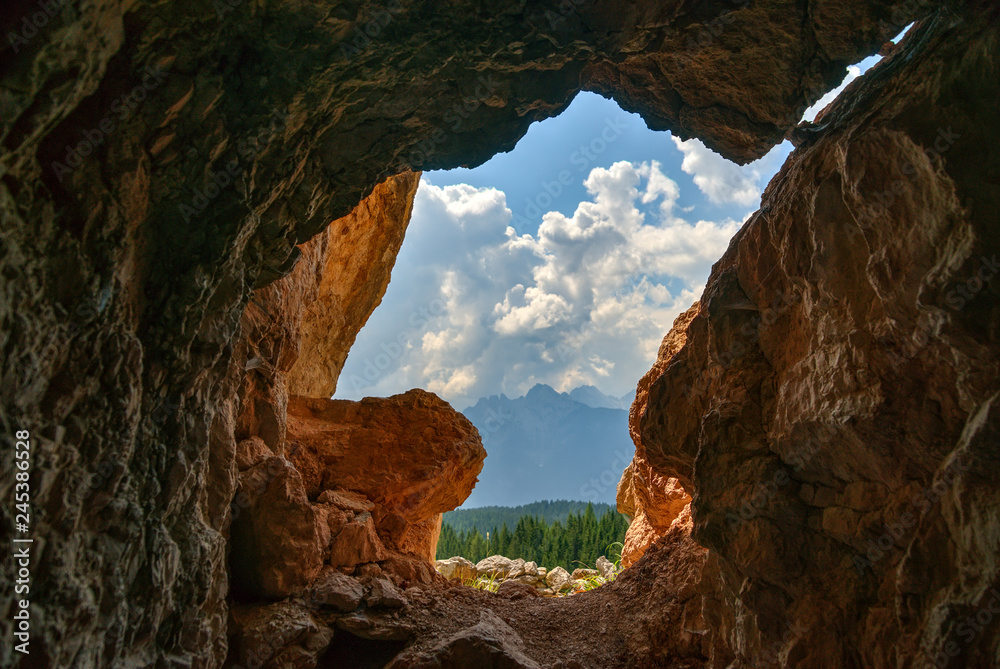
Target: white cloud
{"type": "Point", "coordinates": [474, 308]}
{"type": "Point", "coordinates": [724, 182]}
{"type": "Point", "coordinates": [853, 72]}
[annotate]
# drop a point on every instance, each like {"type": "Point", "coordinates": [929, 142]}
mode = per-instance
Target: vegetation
{"type": "Point", "coordinates": [487, 583]}
{"type": "Point", "coordinates": [488, 517]}
{"type": "Point", "coordinates": [577, 542]}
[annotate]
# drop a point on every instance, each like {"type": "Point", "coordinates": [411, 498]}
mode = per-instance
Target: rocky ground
{"type": "Point", "coordinates": [368, 623]}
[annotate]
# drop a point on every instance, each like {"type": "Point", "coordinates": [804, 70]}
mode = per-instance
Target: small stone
{"type": "Point", "coordinates": [368, 570]}
{"type": "Point", "coordinates": [840, 523]}
{"type": "Point", "coordinates": [606, 567]}
{"type": "Point", "coordinates": [579, 574]}
{"type": "Point", "coordinates": [346, 500]}
{"type": "Point", "coordinates": [250, 452]}
{"type": "Point", "coordinates": [357, 542]}
{"type": "Point", "coordinates": [378, 628]}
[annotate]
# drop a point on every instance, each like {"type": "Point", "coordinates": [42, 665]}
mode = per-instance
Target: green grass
{"type": "Point", "coordinates": [485, 583]}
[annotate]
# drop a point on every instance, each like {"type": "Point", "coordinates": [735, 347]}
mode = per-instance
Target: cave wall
{"type": "Point", "coordinates": [831, 402]}
{"type": "Point", "coordinates": [160, 161]}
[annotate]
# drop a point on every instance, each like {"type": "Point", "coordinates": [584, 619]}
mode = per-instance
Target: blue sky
{"type": "Point", "coordinates": [562, 262]}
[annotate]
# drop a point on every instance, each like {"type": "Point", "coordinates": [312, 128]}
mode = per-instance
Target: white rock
{"type": "Point", "coordinates": [531, 569]}
{"type": "Point", "coordinates": [496, 566]}
{"type": "Point", "coordinates": [456, 569]}
{"type": "Point", "coordinates": [558, 579]}
{"type": "Point", "coordinates": [606, 567]}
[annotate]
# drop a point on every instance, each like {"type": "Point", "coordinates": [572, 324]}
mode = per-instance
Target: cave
{"type": "Point", "coordinates": [202, 204]}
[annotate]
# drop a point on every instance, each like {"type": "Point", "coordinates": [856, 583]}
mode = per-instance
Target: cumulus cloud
{"type": "Point", "coordinates": [722, 181]}
{"type": "Point", "coordinates": [475, 308]}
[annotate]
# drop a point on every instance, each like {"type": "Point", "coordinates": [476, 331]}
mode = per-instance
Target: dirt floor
{"type": "Point", "coordinates": [650, 616]}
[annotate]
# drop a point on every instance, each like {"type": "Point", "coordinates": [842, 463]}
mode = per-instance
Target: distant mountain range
{"type": "Point", "coordinates": [551, 445]}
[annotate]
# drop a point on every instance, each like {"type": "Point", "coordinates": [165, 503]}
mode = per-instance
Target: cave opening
{"type": "Point", "coordinates": [197, 498]}
{"type": "Point", "coordinates": [532, 291]}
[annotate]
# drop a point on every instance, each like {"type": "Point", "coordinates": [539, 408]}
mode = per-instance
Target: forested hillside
{"type": "Point", "coordinates": [488, 517]}
{"type": "Point", "coordinates": [577, 541]}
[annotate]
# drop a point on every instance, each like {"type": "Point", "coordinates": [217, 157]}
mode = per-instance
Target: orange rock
{"type": "Point", "coordinates": [353, 260]}
{"type": "Point", "coordinates": [406, 459]}
{"type": "Point", "coordinates": [651, 500]}
{"type": "Point", "coordinates": [298, 329]}
{"type": "Point", "coordinates": [357, 542]}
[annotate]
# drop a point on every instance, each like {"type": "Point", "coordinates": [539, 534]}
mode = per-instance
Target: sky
{"type": "Point", "coordinates": [564, 261]}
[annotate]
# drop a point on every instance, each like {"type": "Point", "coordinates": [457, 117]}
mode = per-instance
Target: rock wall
{"type": "Point", "coordinates": [831, 404]}
{"type": "Point", "coordinates": [353, 281]}
{"type": "Point", "coordinates": [362, 489]}
{"type": "Point", "coordinates": [161, 161]}
{"type": "Point", "coordinates": [653, 502]}
{"type": "Point", "coordinates": [314, 313]}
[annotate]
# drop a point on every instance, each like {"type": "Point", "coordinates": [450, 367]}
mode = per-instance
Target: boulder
{"type": "Point", "coordinates": [375, 628]}
{"type": "Point", "coordinates": [490, 643]}
{"type": "Point", "coordinates": [336, 591]}
{"type": "Point", "coordinates": [250, 452]}
{"type": "Point", "coordinates": [406, 570]}
{"type": "Point", "coordinates": [456, 569]}
{"type": "Point", "coordinates": [411, 457]}
{"type": "Point", "coordinates": [346, 500]}
{"type": "Point", "coordinates": [269, 635]}
{"type": "Point", "coordinates": [495, 566]}
{"type": "Point", "coordinates": [356, 543]}
{"type": "Point", "coordinates": [516, 568]}
{"type": "Point", "coordinates": [579, 574]}
{"type": "Point", "coordinates": [558, 579]}
{"type": "Point", "coordinates": [516, 590]}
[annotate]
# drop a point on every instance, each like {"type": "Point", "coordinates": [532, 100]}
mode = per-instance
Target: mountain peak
{"type": "Point", "coordinates": [594, 398]}
{"type": "Point", "coordinates": [542, 391]}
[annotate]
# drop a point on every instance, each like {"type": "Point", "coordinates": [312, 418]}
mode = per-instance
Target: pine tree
{"type": "Point", "coordinates": [579, 541]}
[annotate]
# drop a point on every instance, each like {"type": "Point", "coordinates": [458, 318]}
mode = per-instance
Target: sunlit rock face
{"type": "Point", "coordinates": [650, 499]}
{"type": "Point", "coordinates": [163, 161]}
{"type": "Point", "coordinates": [831, 405]}
{"type": "Point", "coordinates": [362, 250]}
{"type": "Point", "coordinates": [411, 455]}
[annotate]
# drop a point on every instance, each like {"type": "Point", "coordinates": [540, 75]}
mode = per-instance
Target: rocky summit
{"type": "Point", "coordinates": [202, 203]}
